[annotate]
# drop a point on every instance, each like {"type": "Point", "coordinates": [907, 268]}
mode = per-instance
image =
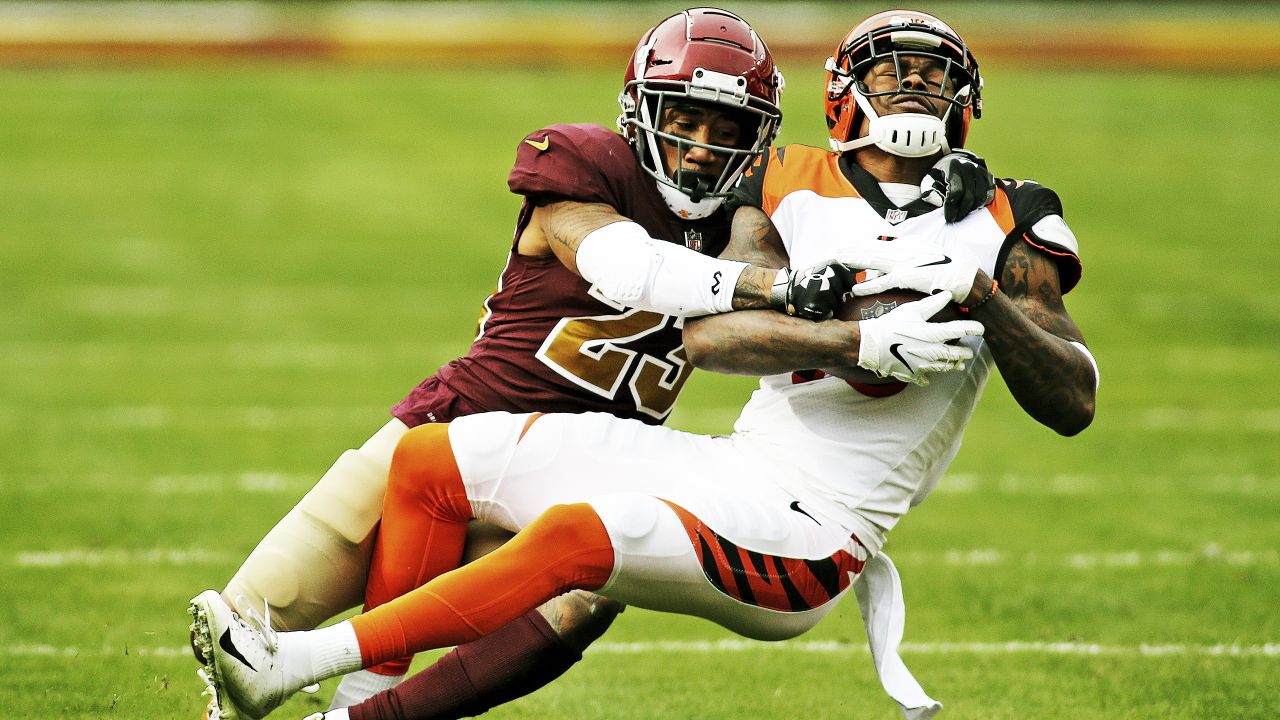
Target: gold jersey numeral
{"type": "Point", "coordinates": [592, 353]}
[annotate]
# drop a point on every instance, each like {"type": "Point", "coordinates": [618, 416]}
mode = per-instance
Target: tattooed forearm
{"type": "Point", "coordinates": [753, 289]}
{"type": "Point", "coordinates": [766, 342]}
{"type": "Point", "coordinates": [754, 240]}
{"type": "Point", "coordinates": [1028, 329]}
{"type": "Point", "coordinates": [579, 617]}
{"type": "Point", "coordinates": [569, 222]}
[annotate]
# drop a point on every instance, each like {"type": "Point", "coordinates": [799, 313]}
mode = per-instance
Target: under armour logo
{"type": "Point", "coordinates": [821, 278]}
{"type": "Point", "coordinates": [715, 286]}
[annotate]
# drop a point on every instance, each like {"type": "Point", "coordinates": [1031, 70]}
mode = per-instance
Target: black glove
{"type": "Point", "coordinates": [959, 183]}
{"type": "Point", "coordinates": [812, 294]}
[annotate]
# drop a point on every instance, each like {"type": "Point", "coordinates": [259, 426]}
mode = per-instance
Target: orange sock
{"type": "Point", "coordinates": [565, 549]}
{"type": "Point", "coordinates": [424, 522]}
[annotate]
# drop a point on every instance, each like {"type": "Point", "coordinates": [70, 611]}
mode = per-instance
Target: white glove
{"type": "Point", "coordinates": [903, 344]}
{"type": "Point", "coordinates": [911, 266]}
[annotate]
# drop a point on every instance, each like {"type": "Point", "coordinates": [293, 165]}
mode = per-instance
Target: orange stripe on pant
{"type": "Point", "coordinates": [566, 548]}
{"type": "Point", "coordinates": [424, 522]}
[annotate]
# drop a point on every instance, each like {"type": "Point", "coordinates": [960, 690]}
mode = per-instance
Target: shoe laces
{"type": "Point", "coordinates": [259, 622]}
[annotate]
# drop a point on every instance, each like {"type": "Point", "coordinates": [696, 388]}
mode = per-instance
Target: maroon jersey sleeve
{"type": "Point", "coordinates": [587, 163]}
{"type": "Point", "coordinates": [548, 342]}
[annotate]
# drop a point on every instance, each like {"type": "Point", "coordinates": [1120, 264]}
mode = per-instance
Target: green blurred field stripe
{"type": "Point", "coordinates": [1184, 35]}
{"type": "Point", "coordinates": [219, 277]}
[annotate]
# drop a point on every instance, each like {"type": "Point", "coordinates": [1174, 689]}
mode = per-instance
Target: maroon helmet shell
{"type": "Point", "coordinates": [709, 56]}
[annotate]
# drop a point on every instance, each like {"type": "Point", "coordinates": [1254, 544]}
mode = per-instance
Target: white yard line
{"type": "Point", "coordinates": [58, 357]}
{"type": "Point", "coordinates": [945, 648]}
{"type": "Point", "coordinates": [979, 557]}
{"type": "Point", "coordinates": [85, 557]}
{"type": "Point", "coordinates": [268, 481]}
{"type": "Point", "coordinates": [1088, 485]}
{"type": "Point", "coordinates": [1126, 559]}
{"type": "Point", "coordinates": [819, 647]}
{"type": "Point", "coordinates": [1264, 421]}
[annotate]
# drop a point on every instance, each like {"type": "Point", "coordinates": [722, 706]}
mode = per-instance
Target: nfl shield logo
{"type": "Point", "coordinates": [877, 309]}
{"type": "Point", "coordinates": [693, 240]}
{"type": "Point", "coordinates": [895, 216]}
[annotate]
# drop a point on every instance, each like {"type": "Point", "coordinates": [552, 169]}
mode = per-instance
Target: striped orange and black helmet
{"type": "Point", "coordinates": [888, 36]}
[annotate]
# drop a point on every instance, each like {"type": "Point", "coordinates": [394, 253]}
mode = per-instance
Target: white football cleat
{"type": "Point", "coordinates": [240, 656]}
{"type": "Point", "coordinates": [218, 708]}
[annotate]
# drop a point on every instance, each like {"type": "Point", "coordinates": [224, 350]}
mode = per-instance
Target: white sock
{"type": "Point", "coordinates": [360, 686]}
{"type": "Point", "coordinates": [337, 714]}
{"type": "Point", "coordinates": [320, 654]}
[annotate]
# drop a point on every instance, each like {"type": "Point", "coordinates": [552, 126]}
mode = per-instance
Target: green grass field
{"type": "Point", "coordinates": [215, 279]}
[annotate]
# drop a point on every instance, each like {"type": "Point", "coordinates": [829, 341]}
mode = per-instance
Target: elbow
{"type": "Point", "coordinates": [698, 346]}
{"type": "Point", "coordinates": [1074, 422]}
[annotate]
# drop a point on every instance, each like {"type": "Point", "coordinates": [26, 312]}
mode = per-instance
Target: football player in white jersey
{"type": "Point", "coordinates": [762, 531]}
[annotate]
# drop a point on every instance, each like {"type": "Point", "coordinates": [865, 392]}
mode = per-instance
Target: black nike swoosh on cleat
{"type": "Point", "coordinates": [943, 261]}
{"type": "Point", "coordinates": [795, 505]}
{"type": "Point", "coordinates": [232, 650]}
{"type": "Point", "coordinates": [893, 350]}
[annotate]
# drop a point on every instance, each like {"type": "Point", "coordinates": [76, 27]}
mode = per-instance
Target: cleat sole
{"type": "Point", "coordinates": [202, 640]}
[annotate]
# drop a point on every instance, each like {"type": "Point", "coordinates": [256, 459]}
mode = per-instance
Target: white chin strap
{"type": "Point", "coordinates": [902, 134]}
{"type": "Point", "coordinates": [686, 208]}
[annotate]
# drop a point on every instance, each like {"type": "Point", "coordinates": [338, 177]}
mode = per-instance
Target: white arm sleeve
{"type": "Point", "coordinates": [636, 270]}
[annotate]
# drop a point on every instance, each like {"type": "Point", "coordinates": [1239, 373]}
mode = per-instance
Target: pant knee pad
{"type": "Point", "coordinates": [574, 535]}
{"type": "Point", "coordinates": [314, 562]}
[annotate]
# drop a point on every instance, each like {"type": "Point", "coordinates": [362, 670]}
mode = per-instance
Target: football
{"type": "Point", "coordinates": [855, 308]}
{"type": "Point", "coordinates": [873, 306]}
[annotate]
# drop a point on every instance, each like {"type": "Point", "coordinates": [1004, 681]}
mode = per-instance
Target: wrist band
{"type": "Point", "coordinates": [995, 288]}
{"type": "Point", "coordinates": [778, 293]}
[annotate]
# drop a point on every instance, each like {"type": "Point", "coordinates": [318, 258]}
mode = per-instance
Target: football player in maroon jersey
{"type": "Point", "coordinates": [615, 244]}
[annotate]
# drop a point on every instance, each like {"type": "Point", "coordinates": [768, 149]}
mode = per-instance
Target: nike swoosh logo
{"type": "Point", "coordinates": [943, 261]}
{"type": "Point", "coordinates": [232, 650]}
{"type": "Point", "coordinates": [542, 144]}
{"type": "Point", "coordinates": [795, 505]}
{"type": "Point", "coordinates": [893, 350]}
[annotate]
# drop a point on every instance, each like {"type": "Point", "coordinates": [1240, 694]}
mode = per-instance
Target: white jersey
{"type": "Point", "coordinates": [866, 459]}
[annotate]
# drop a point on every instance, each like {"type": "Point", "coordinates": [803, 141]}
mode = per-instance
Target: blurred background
{"type": "Point", "coordinates": [232, 235]}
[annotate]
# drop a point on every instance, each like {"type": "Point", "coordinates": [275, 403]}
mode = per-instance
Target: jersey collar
{"type": "Point", "coordinates": [869, 188]}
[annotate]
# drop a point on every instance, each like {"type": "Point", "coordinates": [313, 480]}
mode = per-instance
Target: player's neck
{"type": "Point", "coordinates": [887, 167]}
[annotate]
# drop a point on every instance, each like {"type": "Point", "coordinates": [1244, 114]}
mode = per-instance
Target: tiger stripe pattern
{"type": "Point", "coordinates": [770, 581]}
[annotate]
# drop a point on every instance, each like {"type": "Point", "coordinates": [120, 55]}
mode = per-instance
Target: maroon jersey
{"type": "Point", "coordinates": [548, 341]}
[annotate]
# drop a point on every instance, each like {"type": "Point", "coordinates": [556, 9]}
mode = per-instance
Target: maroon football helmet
{"type": "Point", "coordinates": [707, 56]}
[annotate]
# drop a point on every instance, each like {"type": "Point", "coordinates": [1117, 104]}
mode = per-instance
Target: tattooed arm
{"type": "Point", "coordinates": [765, 342]}
{"type": "Point", "coordinates": [560, 227]}
{"type": "Point", "coordinates": [1029, 333]}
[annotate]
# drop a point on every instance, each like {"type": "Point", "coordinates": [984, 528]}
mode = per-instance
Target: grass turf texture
{"type": "Point", "coordinates": [216, 279]}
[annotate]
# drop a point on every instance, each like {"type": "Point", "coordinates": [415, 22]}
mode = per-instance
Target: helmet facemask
{"type": "Point", "coordinates": [693, 192]}
{"type": "Point", "coordinates": [944, 68]}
